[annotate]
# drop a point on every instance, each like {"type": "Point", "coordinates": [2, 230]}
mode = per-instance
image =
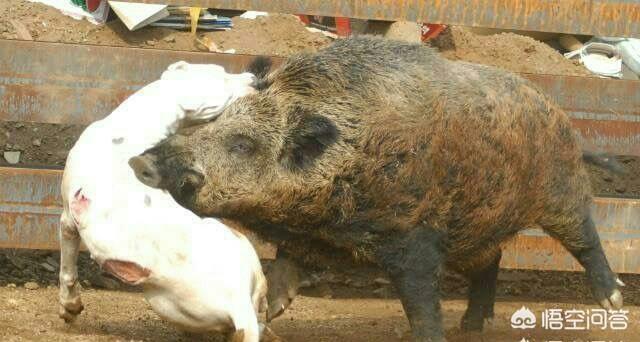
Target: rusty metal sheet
{"type": "Point", "coordinates": [618, 224]}
{"type": "Point", "coordinates": [59, 83]}
{"type": "Point", "coordinates": [616, 18]}
{"type": "Point", "coordinates": [69, 83]}
{"type": "Point", "coordinates": [604, 112]}
{"type": "Point", "coordinates": [31, 204]}
{"type": "Point", "coordinates": [30, 208]}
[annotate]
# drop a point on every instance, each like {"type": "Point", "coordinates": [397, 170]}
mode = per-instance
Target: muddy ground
{"type": "Point", "coordinates": [124, 316]}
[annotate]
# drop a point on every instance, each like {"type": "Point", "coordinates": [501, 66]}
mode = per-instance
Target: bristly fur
{"type": "Point", "coordinates": [369, 138]}
{"type": "Point", "coordinates": [260, 67]}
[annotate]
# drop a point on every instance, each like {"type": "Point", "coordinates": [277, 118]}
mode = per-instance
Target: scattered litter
{"type": "Point", "coordinates": [253, 14]}
{"type": "Point", "coordinates": [325, 33]}
{"type": "Point", "coordinates": [180, 18]}
{"type": "Point", "coordinates": [135, 15]}
{"type": "Point", "coordinates": [21, 30]}
{"type": "Point", "coordinates": [630, 53]}
{"type": "Point", "coordinates": [206, 44]}
{"type": "Point", "coordinates": [12, 157]}
{"type": "Point", "coordinates": [67, 7]}
{"type": "Point", "coordinates": [600, 58]}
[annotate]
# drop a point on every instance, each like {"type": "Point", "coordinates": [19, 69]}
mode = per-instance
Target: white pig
{"type": "Point", "coordinates": [196, 273]}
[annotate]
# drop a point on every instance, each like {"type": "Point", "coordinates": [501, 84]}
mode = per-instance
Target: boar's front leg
{"type": "Point", "coordinates": [413, 262]}
{"type": "Point", "coordinates": [482, 295]}
{"type": "Point", "coordinates": [69, 296]}
{"type": "Point", "coordinates": [283, 279]}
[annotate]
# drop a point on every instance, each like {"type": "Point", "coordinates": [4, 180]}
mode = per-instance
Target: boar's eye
{"type": "Point", "coordinates": [241, 145]}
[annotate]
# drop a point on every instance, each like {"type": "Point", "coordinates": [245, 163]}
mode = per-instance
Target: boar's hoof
{"type": "Point", "coordinates": [613, 302]}
{"type": "Point", "coordinates": [277, 307]}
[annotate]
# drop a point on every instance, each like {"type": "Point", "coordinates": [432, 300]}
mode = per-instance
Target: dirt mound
{"type": "Point", "coordinates": [509, 51]}
{"type": "Point", "coordinates": [276, 34]}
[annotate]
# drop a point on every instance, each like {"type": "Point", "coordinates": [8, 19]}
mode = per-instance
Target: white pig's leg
{"type": "Point", "coordinates": [70, 302]}
{"type": "Point", "coordinates": [246, 323]}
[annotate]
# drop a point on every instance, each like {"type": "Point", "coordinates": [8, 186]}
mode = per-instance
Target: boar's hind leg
{"type": "Point", "coordinates": [482, 296]}
{"type": "Point", "coordinates": [413, 262]}
{"type": "Point", "coordinates": [584, 244]}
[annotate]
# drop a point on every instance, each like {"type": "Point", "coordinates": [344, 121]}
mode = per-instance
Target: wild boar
{"type": "Point", "coordinates": [399, 157]}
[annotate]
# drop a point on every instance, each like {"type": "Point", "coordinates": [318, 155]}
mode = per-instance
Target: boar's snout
{"type": "Point", "coordinates": [146, 170]}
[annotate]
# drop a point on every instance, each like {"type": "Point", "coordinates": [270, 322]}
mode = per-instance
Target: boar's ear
{"type": "Point", "coordinates": [260, 67]}
{"type": "Point", "coordinates": [307, 140]}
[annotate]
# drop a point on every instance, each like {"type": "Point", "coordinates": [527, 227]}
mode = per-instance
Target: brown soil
{"type": "Point", "coordinates": [279, 34]}
{"type": "Point", "coordinates": [115, 316]}
{"type": "Point", "coordinates": [509, 51]}
{"type": "Point", "coordinates": [617, 184]}
{"type": "Point", "coordinates": [39, 144]}
{"type": "Point", "coordinates": [41, 267]}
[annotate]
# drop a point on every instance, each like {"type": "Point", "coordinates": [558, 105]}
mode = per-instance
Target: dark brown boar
{"type": "Point", "coordinates": [398, 157]}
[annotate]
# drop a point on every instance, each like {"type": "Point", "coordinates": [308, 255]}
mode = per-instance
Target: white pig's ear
{"type": "Point", "coordinates": [177, 67]}
{"type": "Point", "coordinates": [187, 71]}
{"type": "Point", "coordinates": [201, 112]}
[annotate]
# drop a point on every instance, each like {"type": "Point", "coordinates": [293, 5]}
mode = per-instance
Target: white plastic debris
{"type": "Point", "coordinates": [600, 58]}
{"type": "Point", "coordinates": [630, 53]}
{"type": "Point", "coordinates": [99, 16]}
{"type": "Point", "coordinates": [253, 14]}
{"type": "Point", "coordinates": [325, 33]}
{"type": "Point", "coordinates": [135, 16]}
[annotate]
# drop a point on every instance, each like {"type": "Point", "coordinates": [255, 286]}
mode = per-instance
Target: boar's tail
{"type": "Point", "coordinates": [603, 160]}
